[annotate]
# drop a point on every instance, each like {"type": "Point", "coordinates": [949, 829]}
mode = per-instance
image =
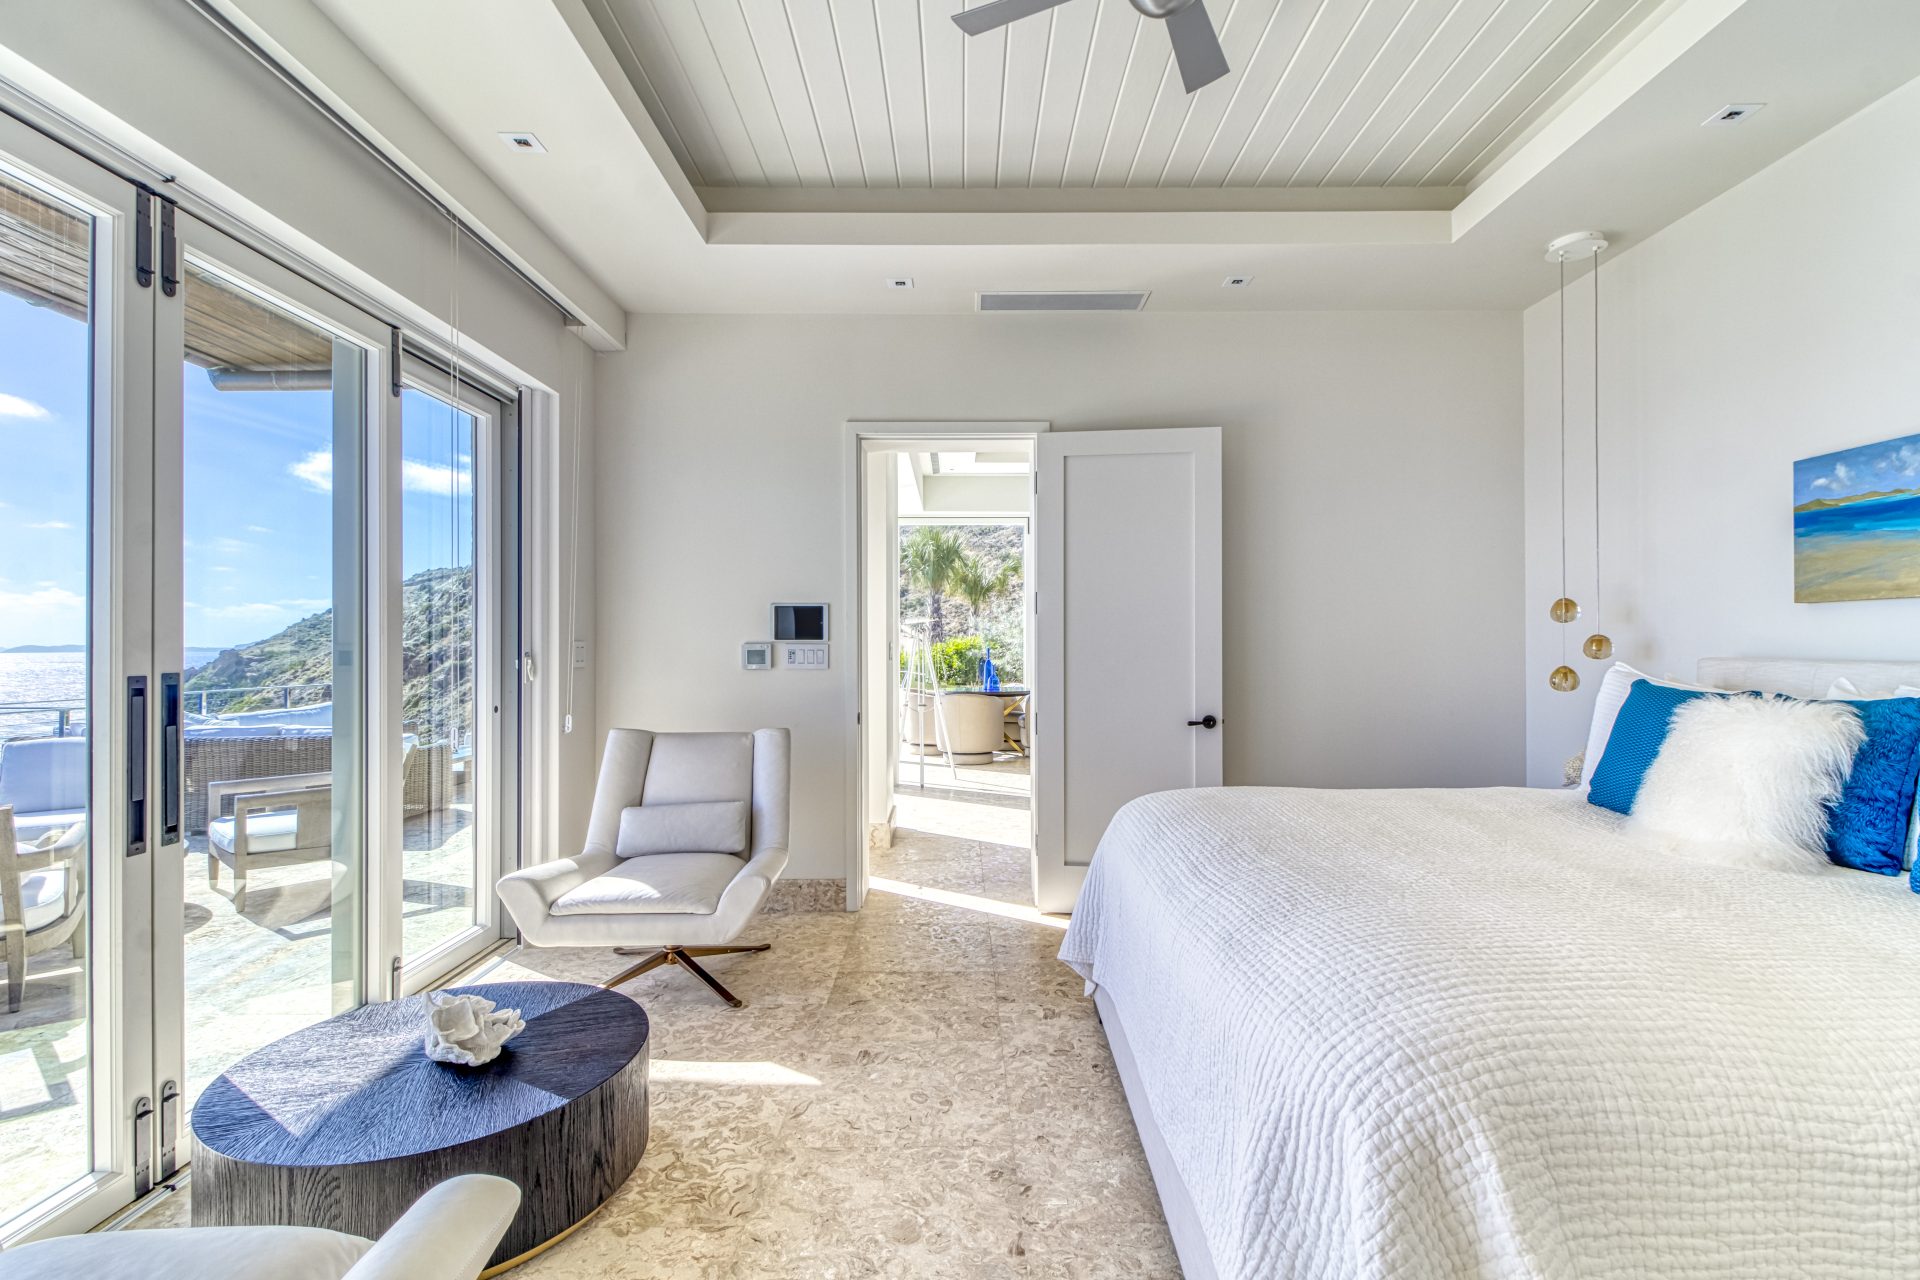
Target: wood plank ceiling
{"type": "Point", "coordinates": [889, 93]}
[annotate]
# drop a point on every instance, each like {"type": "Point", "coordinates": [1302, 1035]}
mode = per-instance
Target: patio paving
{"type": "Point", "coordinates": [251, 978]}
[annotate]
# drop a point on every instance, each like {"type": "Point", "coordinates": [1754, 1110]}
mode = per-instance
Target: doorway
{"type": "Point", "coordinates": [947, 648]}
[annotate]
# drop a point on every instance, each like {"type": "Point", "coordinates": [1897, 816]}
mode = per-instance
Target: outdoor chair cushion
{"type": "Point", "coordinates": [29, 827]}
{"type": "Point", "coordinates": [40, 775]}
{"type": "Point", "coordinates": [189, 1253]}
{"type": "Point", "coordinates": [43, 897]}
{"type": "Point", "coordinates": [266, 832]}
{"type": "Point", "coordinates": [662, 884]}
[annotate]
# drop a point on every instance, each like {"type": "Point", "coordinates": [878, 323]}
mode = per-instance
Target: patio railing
{"type": "Point", "coordinates": [69, 719]}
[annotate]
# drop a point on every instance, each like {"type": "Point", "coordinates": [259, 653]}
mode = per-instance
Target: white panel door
{"type": "Point", "coordinates": [1127, 573]}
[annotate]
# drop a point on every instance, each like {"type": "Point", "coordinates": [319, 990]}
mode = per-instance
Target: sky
{"type": "Point", "coordinates": [258, 495]}
{"type": "Point", "coordinates": [1871, 468]}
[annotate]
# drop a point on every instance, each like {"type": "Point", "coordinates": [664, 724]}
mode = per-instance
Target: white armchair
{"type": "Point", "coordinates": [448, 1234]}
{"type": "Point", "coordinates": [43, 897]}
{"type": "Point", "coordinates": [688, 835]}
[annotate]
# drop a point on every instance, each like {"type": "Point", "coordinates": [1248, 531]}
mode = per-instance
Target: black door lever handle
{"type": "Point", "coordinates": [1204, 722]}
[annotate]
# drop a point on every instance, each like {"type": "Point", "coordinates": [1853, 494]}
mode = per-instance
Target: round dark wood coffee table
{"type": "Point", "coordinates": [345, 1124]}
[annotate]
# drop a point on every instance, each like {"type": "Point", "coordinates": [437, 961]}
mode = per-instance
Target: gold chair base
{"type": "Point", "coordinates": [684, 957]}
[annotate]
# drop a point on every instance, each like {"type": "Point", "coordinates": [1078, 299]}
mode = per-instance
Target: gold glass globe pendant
{"type": "Point", "coordinates": [1598, 646]}
{"type": "Point", "coordinates": [1564, 679]}
{"type": "Point", "coordinates": [1563, 610]}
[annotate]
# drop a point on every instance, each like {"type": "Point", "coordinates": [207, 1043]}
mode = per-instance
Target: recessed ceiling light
{"type": "Point", "coordinates": [900, 282]}
{"type": "Point", "coordinates": [1733, 113]}
{"type": "Point", "coordinates": [524, 142]}
{"type": "Point", "coordinates": [1236, 282]}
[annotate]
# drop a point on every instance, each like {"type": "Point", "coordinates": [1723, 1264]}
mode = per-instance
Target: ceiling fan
{"type": "Point", "coordinates": [1195, 46]}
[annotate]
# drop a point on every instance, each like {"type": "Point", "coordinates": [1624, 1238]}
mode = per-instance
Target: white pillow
{"type": "Point", "coordinates": [1845, 688]}
{"type": "Point", "coordinates": [710, 826]}
{"type": "Point", "coordinates": [1748, 780]}
{"type": "Point", "coordinates": [1606, 709]}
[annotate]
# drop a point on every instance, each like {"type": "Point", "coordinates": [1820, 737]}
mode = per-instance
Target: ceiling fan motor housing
{"type": "Point", "coordinates": [1160, 8]}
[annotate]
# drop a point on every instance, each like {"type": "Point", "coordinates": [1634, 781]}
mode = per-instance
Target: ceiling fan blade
{"type": "Point", "coordinates": [1195, 46]}
{"type": "Point", "coordinates": [999, 14]}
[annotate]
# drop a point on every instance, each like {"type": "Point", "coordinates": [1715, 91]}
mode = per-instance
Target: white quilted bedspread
{"type": "Point", "coordinates": [1482, 1033]}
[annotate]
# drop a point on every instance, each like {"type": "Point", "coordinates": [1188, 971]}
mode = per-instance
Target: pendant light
{"type": "Point", "coordinates": [1564, 610]}
{"type": "Point", "coordinates": [1599, 645]}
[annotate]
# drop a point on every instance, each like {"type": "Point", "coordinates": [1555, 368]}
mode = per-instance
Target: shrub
{"type": "Point", "coordinates": [956, 663]}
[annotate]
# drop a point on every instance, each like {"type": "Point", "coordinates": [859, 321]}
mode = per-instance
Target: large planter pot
{"type": "Point", "coordinates": [974, 725]}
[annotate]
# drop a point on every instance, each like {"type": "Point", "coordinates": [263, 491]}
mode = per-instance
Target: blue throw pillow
{"type": "Point", "coordinates": [1635, 740]}
{"type": "Point", "coordinates": [1868, 830]}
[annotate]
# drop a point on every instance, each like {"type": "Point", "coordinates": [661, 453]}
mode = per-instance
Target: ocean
{"type": "Point", "coordinates": [52, 679]}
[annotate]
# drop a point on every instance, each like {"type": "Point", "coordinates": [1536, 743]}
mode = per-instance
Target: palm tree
{"type": "Point", "coordinates": [980, 587]}
{"type": "Point", "coordinates": [933, 557]}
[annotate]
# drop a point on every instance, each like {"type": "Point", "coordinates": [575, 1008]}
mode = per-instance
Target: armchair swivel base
{"type": "Point", "coordinates": [684, 957]}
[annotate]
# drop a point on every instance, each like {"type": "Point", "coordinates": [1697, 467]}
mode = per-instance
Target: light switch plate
{"type": "Point", "coordinates": [803, 655]}
{"type": "Point", "coordinates": [756, 655]}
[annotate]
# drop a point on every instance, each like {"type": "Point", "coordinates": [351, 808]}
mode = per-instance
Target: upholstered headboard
{"type": "Point", "coordinates": [1805, 677]}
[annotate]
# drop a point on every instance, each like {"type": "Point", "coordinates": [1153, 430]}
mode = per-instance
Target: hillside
{"type": "Point", "coordinates": [436, 653]}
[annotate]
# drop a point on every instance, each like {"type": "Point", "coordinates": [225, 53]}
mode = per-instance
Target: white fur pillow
{"type": "Point", "coordinates": [1747, 780]}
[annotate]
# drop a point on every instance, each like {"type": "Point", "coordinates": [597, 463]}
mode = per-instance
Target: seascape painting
{"type": "Point", "coordinates": [1856, 523]}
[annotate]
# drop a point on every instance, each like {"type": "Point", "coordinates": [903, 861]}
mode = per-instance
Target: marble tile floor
{"type": "Point", "coordinates": [918, 1090]}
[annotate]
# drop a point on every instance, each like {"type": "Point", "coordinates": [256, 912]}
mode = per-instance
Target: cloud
{"type": "Point", "coordinates": [50, 524]}
{"type": "Point", "coordinates": [45, 615]}
{"type": "Point", "coordinates": [258, 528]}
{"type": "Point", "coordinates": [18, 407]}
{"type": "Point", "coordinates": [221, 568]}
{"type": "Point", "coordinates": [1823, 482]}
{"type": "Point", "coordinates": [274, 613]}
{"type": "Point", "coordinates": [427, 477]}
{"type": "Point", "coordinates": [316, 470]}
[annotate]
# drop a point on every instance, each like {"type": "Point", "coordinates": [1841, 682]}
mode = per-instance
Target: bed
{"type": "Point", "coordinates": [1480, 1033]}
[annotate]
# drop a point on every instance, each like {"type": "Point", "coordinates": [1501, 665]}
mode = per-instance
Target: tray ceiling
{"type": "Point", "coordinates": [889, 93]}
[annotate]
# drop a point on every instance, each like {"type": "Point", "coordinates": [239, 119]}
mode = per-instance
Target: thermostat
{"type": "Point", "coordinates": [756, 655]}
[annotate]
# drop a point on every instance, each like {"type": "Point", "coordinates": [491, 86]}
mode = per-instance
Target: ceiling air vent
{"type": "Point", "coordinates": [1086, 300]}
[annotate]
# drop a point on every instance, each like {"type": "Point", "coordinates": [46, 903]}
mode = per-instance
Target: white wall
{"type": "Point", "coordinates": [1373, 520]}
{"type": "Point", "coordinates": [1780, 321]}
{"type": "Point", "coordinates": [176, 93]}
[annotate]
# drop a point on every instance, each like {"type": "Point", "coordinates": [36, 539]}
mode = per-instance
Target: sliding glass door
{"type": "Point", "coordinates": [262, 619]}
{"type": "Point", "coordinates": [258, 735]}
{"type": "Point", "coordinates": [458, 711]}
{"type": "Point", "coordinates": [76, 833]}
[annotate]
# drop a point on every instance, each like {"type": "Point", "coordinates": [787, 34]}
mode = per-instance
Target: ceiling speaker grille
{"type": "Point", "coordinates": [1102, 300]}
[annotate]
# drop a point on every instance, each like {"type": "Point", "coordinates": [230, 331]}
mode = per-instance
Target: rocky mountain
{"type": "Point", "coordinates": [436, 655]}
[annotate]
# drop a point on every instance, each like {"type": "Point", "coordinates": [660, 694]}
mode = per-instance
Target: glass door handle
{"type": "Point", "coordinates": [136, 766]}
{"type": "Point", "coordinates": [170, 757]}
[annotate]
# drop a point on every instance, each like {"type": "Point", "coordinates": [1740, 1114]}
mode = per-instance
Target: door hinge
{"type": "Point", "coordinates": [143, 237]}
{"type": "Point", "coordinates": [169, 1129]}
{"type": "Point", "coordinates": [169, 250]}
{"type": "Point", "coordinates": [142, 1147]}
